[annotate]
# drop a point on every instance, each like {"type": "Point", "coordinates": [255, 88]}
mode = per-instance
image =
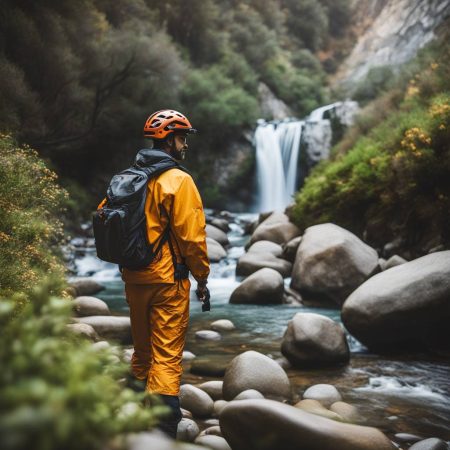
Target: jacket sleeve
{"type": "Point", "coordinates": [188, 225]}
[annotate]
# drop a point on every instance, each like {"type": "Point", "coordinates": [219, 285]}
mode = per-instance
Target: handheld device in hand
{"type": "Point", "coordinates": [206, 305]}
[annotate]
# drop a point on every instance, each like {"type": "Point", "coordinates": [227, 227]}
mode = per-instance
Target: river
{"type": "Point", "coordinates": [398, 394]}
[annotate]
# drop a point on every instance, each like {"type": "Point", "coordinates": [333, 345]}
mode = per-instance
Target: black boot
{"type": "Point", "coordinates": [169, 423]}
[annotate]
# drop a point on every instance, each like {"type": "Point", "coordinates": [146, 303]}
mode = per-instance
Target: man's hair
{"type": "Point", "coordinates": [159, 143]}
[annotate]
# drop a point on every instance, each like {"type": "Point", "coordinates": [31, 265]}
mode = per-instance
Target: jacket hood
{"type": "Point", "coordinates": [149, 157]}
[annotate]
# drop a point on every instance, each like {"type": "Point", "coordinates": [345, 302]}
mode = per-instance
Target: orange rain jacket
{"type": "Point", "coordinates": [173, 196]}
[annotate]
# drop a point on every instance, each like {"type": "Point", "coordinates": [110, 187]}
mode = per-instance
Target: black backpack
{"type": "Point", "coordinates": [119, 226]}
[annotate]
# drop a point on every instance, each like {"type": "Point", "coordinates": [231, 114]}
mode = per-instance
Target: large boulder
{"type": "Point", "coordinates": [271, 425]}
{"type": "Point", "coordinates": [253, 370]}
{"type": "Point", "coordinates": [405, 305]}
{"type": "Point", "coordinates": [110, 327]}
{"type": "Point", "coordinates": [263, 287]}
{"type": "Point", "coordinates": [331, 263]}
{"type": "Point", "coordinates": [216, 234]}
{"type": "Point", "coordinates": [90, 306]}
{"type": "Point", "coordinates": [86, 286]}
{"type": "Point", "coordinates": [196, 400]}
{"type": "Point", "coordinates": [313, 340]}
{"type": "Point", "coordinates": [276, 228]}
{"type": "Point", "coordinates": [266, 247]}
{"type": "Point", "coordinates": [249, 263]}
{"type": "Point", "coordinates": [215, 251]}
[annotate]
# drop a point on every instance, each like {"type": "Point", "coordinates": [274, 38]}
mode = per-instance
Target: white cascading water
{"type": "Point", "coordinates": [277, 151]}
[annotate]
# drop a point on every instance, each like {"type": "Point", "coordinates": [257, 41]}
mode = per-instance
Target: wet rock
{"type": "Point", "coordinates": [326, 394]}
{"type": "Point", "coordinates": [263, 287]}
{"type": "Point", "coordinates": [213, 389]}
{"type": "Point", "coordinates": [211, 366]}
{"type": "Point", "coordinates": [215, 430]}
{"type": "Point", "coordinates": [407, 437]}
{"type": "Point", "coordinates": [90, 306]}
{"type": "Point", "coordinates": [279, 232]}
{"type": "Point", "coordinates": [266, 247]}
{"type": "Point", "coordinates": [292, 297]}
{"type": "Point", "coordinates": [271, 425]}
{"type": "Point", "coordinates": [110, 327]}
{"type": "Point", "coordinates": [348, 412]}
{"type": "Point", "coordinates": [195, 400]}
{"type": "Point", "coordinates": [253, 370]}
{"type": "Point", "coordinates": [211, 422]}
{"type": "Point", "coordinates": [186, 414]}
{"type": "Point", "coordinates": [213, 442]}
{"type": "Point", "coordinates": [290, 249]}
{"type": "Point", "coordinates": [217, 234]}
{"type": "Point", "coordinates": [215, 251]}
{"type": "Point", "coordinates": [394, 261]}
{"type": "Point", "coordinates": [315, 407]}
{"type": "Point", "coordinates": [156, 440]}
{"type": "Point", "coordinates": [83, 329]}
{"type": "Point", "coordinates": [331, 262]}
{"type": "Point", "coordinates": [218, 406]}
{"type": "Point", "coordinates": [430, 444]}
{"type": "Point", "coordinates": [187, 430]}
{"type": "Point", "coordinates": [407, 305]}
{"type": "Point", "coordinates": [313, 340]}
{"type": "Point", "coordinates": [222, 224]}
{"type": "Point", "coordinates": [86, 286]}
{"type": "Point", "coordinates": [208, 335]}
{"type": "Point", "coordinates": [188, 356]}
{"type": "Point", "coordinates": [222, 325]}
{"type": "Point", "coordinates": [248, 395]}
{"type": "Point", "coordinates": [249, 263]}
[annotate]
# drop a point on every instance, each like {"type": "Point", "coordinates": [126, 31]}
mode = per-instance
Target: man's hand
{"type": "Point", "coordinates": [203, 295]}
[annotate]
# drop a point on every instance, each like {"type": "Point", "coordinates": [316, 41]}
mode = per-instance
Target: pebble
{"type": "Point", "coordinates": [208, 335]}
{"type": "Point", "coordinates": [222, 325]}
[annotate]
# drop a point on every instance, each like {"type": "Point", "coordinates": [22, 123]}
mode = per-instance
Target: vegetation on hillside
{"type": "Point", "coordinates": [389, 176]}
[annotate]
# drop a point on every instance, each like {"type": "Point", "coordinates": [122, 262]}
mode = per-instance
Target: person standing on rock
{"type": "Point", "coordinates": [158, 295]}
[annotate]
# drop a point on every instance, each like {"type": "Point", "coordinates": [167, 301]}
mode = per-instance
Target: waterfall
{"type": "Point", "coordinates": [277, 151]}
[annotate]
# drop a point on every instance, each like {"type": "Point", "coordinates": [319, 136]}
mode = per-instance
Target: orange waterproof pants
{"type": "Point", "coordinates": [159, 316]}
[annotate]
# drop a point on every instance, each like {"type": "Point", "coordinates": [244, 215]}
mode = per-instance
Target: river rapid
{"type": "Point", "coordinates": [400, 393]}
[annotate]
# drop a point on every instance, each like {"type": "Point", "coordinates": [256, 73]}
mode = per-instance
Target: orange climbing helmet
{"type": "Point", "coordinates": [161, 123]}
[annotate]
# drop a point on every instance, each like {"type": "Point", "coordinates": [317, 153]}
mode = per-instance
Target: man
{"type": "Point", "coordinates": [158, 295]}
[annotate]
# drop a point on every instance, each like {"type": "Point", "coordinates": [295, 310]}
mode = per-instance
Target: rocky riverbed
{"type": "Point", "coordinates": [403, 393]}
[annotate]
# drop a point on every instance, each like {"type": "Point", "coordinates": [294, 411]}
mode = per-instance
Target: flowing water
{"type": "Point", "coordinates": [401, 393]}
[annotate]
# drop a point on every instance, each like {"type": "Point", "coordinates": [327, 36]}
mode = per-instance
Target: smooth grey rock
{"type": "Point", "coordinates": [212, 388]}
{"type": "Point", "coordinates": [210, 366]}
{"type": "Point", "coordinates": [292, 297]}
{"type": "Point", "coordinates": [283, 363]}
{"type": "Point", "coordinates": [326, 394]}
{"type": "Point", "coordinates": [213, 442]}
{"type": "Point", "coordinates": [266, 247]}
{"type": "Point", "coordinates": [331, 262]}
{"type": "Point", "coordinates": [407, 437]}
{"type": "Point", "coordinates": [156, 440]}
{"type": "Point", "coordinates": [195, 400]}
{"type": "Point", "coordinates": [270, 105]}
{"type": "Point", "coordinates": [314, 340]}
{"type": "Point", "coordinates": [348, 412]}
{"type": "Point", "coordinates": [222, 325]}
{"type": "Point", "coordinates": [276, 228]}
{"type": "Point", "coordinates": [430, 444]}
{"type": "Point", "coordinates": [263, 287]}
{"type": "Point", "coordinates": [90, 306]}
{"type": "Point", "coordinates": [188, 356]}
{"type": "Point", "coordinates": [248, 395]}
{"type": "Point", "coordinates": [117, 328]}
{"type": "Point", "coordinates": [394, 261]}
{"type": "Point", "coordinates": [253, 370]}
{"type": "Point", "coordinates": [83, 329]}
{"type": "Point", "coordinates": [219, 405]}
{"type": "Point", "coordinates": [215, 251]}
{"type": "Point", "coordinates": [86, 286]}
{"type": "Point", "coordinates": [101, 345]}
{"type": "Point", "coordinates": [186, 414]}
{"type": "Point", "coordinates": [315, 407]}
{"type": "Point", "coordinates": [216, 234]}
{"type": "Point", "coordinates": [271, 425]}
{"type": "Point", "coordinates": [249, 263]}
{"type": "Point", "coordinates": [211, 422]}
{"type": "Point", "coordinates": [290, 249]}
{"type": "Point", "coordinates": [215, 430]}
{"type": "Point", "coordinates": [407, 305]}
{"type": "Point", "coordinates": [187, 430]}
{"type": "Point", "coordinates": [222, 224]}
{"type": "Point", "coordinates": [381, 263]}
{"type": "Point", "coordinates": [208, 335]}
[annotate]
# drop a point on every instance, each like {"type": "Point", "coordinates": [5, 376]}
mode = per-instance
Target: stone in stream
{"type": "Point", "coordinates": [393, 261]}
{"type": "Point", "coordinates": [266, 247]}
{"type": "Point", "coordinates": [218, 406]}
{"type": "Point", "coordinates": [117, 328]}
{"type": "Point", "coordinates": [248, 394]}
{"type": "Point", "coordinates": [276, 228]}
{"type": "Point", "coordinates": [156, 440]}
{"type": "Point", "coordinates": [187, 430]}
{"type": "Point", "coordinates": [326, 394]}
{"type": "Point", "coordinates": [186, 414]}
{"type": "Point", "coordinates": [212, 388]}
{"type": "Point", "coordinates": [83, 329]}
{"type": "Point", "coordinates": [430, 444]}
{"type": "Point", "coordinates": [215, 251]}
{"type": "Point", "coordinates": [217, 234]}
{"type": "Point", "coordinates": [330, 263]}
{"type": "Point", "coordinates": [271, 425]}
{"type": "Point", "coordinates": [90, 306]}
{"type": "Point", "coordinates": [407, 305]}
{"type": "Point", "coordinates": [208, 335]}
{"type": "Point", "coordinates": [215, 430]}
{"type": "Point", "coordinates": [348, 412]}
{"type": "Point", "coordinates": [249, 263]}
{"type": "Point", "coordinates": [86, 286]}
{"type": "Point", "coordinates": [253, 370]}
{"type": "Point", "coordinates": [222, 325]}
{"type": "Point", "coordinates": [222, 224]}
{"type": "Point", "coordinates": [263, 287]}
{"type": "Point", "coordinates": [195, 400]}
{"type": "Point", "coordinates": [290, 249]}
{"type": "Point", "coordinates": [188, 356]}
{"type": "Point", "coordinates": [315, 407]}
{"type": "Point", "coordinates": [213, 442]}
{"type": "Point", "coordinates": [210, 366]}
{"type": "Point", "coordinates": [407, 438]}
{"type": "Point", "coordinates": [102, 345]}
{"type": "Point", "coordinates": [313, 340]}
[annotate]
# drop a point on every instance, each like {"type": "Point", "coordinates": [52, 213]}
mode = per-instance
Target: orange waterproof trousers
{"type": "Point", "coordinates": [159, 316]}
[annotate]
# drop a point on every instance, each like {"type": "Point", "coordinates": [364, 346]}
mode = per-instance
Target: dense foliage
{"type": "Point", "coordinates": [78, 79]}
{"type": "Point", "coordinates": [389, 177]}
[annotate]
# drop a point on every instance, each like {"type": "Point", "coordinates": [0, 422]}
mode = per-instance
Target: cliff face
{"type": "Point", "coordinates": [390, 33]}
